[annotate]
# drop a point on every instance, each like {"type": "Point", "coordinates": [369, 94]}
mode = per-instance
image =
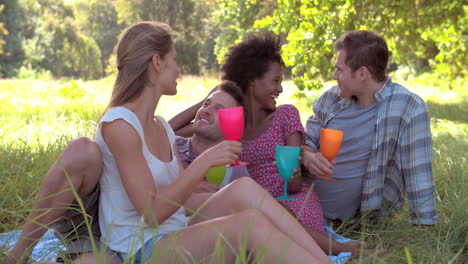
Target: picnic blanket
{"type": "Point", "coordinates": [49, 246]}
{"type": "Point", "coordinates": [46, 250]}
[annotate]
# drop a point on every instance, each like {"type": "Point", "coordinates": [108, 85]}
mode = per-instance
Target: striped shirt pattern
{"type": "Point", "coordinates": [400, 161]}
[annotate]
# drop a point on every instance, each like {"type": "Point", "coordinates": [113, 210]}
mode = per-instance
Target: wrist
{"type": "Point", "coordinates": [199, 167]}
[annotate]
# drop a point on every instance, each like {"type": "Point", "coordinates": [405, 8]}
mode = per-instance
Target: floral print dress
{"type": "Point", "coordinates": [260, 154]}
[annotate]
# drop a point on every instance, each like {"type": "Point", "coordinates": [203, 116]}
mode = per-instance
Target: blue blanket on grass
{"type": "Point", "coordinates": [46, 250]}
{"type": "Point", "coordinates": [49, 246]}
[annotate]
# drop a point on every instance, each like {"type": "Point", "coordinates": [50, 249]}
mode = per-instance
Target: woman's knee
{"type": "Point", "coordinates": [81, 154]}
{"type": "Point", "coordinates": [246, 189]}
{"type": "Point", "coordinates": [245, 184]}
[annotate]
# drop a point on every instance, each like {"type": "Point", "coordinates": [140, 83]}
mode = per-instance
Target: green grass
{"type": "Point", "coordinates": [38, 118]}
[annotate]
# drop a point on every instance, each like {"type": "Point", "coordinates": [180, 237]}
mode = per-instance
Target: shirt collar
{"type": "Point", "coordinates": [184, 146]}
{"type": "Point", "coordinates": [344, 102]}
{"type": "Point", "coordinates": [385, 91]}
{"type": "Point", "coordinates": [381, 94]}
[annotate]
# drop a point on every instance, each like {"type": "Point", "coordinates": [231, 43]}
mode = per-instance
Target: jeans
{"type": "Point", "coordinates": [144, 253]}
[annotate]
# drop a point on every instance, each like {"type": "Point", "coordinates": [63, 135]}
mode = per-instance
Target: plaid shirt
{"type": "Point", "coordinates": [186, 154]}
{"type": "Point", "coordinates": [400, 160]}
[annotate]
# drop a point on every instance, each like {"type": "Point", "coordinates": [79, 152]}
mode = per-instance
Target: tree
{"type": "Point", "coordinates": [3, 31]}
{"type": "Point", "coordinates": [424, 34]}
{"type": "Point", "coordinates": [97, 19]}
{"type": "Point", "coordinates": [187, 18]}
{"type": "Point", "coordinates": [417, 33]}
{"type": "Point", "coordinates": [58, 45]}
{"type": "Point", "coordinates": [235, 19]}
{"type": "Point", "coordinates": [11, 38]}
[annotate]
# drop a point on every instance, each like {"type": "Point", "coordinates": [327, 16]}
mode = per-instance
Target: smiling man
{"type": "Point", "coordinates": [386, 151]}
{"type": "Point", "coordinates": [206, 131]}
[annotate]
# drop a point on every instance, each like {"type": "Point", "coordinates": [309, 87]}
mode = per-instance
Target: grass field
{"type": "Point", "coordinates": [38, 118]}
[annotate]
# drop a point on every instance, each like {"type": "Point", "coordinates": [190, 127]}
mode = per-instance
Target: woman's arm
{"type": "Point", "coordinates": [295, 183]}
{"type": "Point", "coordinates": [295, 139]}
{"type": "Point", "coordinates": [156, 206]}
{"type": "Point", "coordinates": [182, 122]}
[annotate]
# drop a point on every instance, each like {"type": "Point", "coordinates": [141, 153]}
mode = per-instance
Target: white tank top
{"type": "Point", "coordinates": [122, 229]}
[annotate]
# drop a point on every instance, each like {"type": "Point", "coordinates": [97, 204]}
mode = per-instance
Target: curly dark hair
{"type": "Point", "coordinates": [250, 59]}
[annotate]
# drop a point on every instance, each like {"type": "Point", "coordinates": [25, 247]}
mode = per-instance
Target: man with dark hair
{"type": "Point", "coordinates": [387, 146]}
{"type": "Point", "coordinates": [206, 131]}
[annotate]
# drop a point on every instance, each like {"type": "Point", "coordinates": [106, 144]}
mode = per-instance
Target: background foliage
{"type": "Point", "coordinates": [75, 38]}
{"type": "Point", "coordinates": [424, 35]}
{"type": "Point", "coordinates": [3, 31]}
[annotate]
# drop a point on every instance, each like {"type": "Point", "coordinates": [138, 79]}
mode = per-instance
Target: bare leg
{"type": "Point", "coordinates": [244, 194]}
{"type": "Point", "coordinates": [327, 244]}
{"type": "Point", "coordinates": [199, 241]}
{"type": "Point", "coordinates": [82, 161]}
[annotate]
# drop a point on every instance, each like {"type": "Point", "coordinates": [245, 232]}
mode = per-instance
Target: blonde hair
{"type": "Point", "coordinates": [134, 51]}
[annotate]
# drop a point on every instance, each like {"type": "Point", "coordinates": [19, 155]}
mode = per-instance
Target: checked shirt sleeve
{"type": "Point", "coordinates": [315, 122]}
{"type": "Point", "coordinates": [415, 151]}
{"type": "Point", "coordinates": [313, 132]}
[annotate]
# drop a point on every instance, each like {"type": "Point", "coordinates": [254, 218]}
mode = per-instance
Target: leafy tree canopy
{"type": "Point", "coordinates": [76, 38]}
{"type": "Point", "coordinates": [11, 40]}
{"type": "Point", "coordinates": [58, 44]}
{"type": "Point", "coordinates": [424, 35]}
{"type": "Point", "coordinates": [98, 20]}
{"type": "Point", "coordinates": [188, 19]}
{"type": "Point", "coordinates": [3, 31]}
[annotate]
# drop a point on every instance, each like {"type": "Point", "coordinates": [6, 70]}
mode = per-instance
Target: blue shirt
{"type": "Point", "coordinates": [400, 160]}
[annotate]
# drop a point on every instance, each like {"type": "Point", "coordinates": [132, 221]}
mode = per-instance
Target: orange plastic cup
{"type": "Point", "coordinates": [330, 144]}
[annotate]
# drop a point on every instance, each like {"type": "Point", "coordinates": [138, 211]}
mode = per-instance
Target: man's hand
{"type": "Point", "coordinates": [316, 163]}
